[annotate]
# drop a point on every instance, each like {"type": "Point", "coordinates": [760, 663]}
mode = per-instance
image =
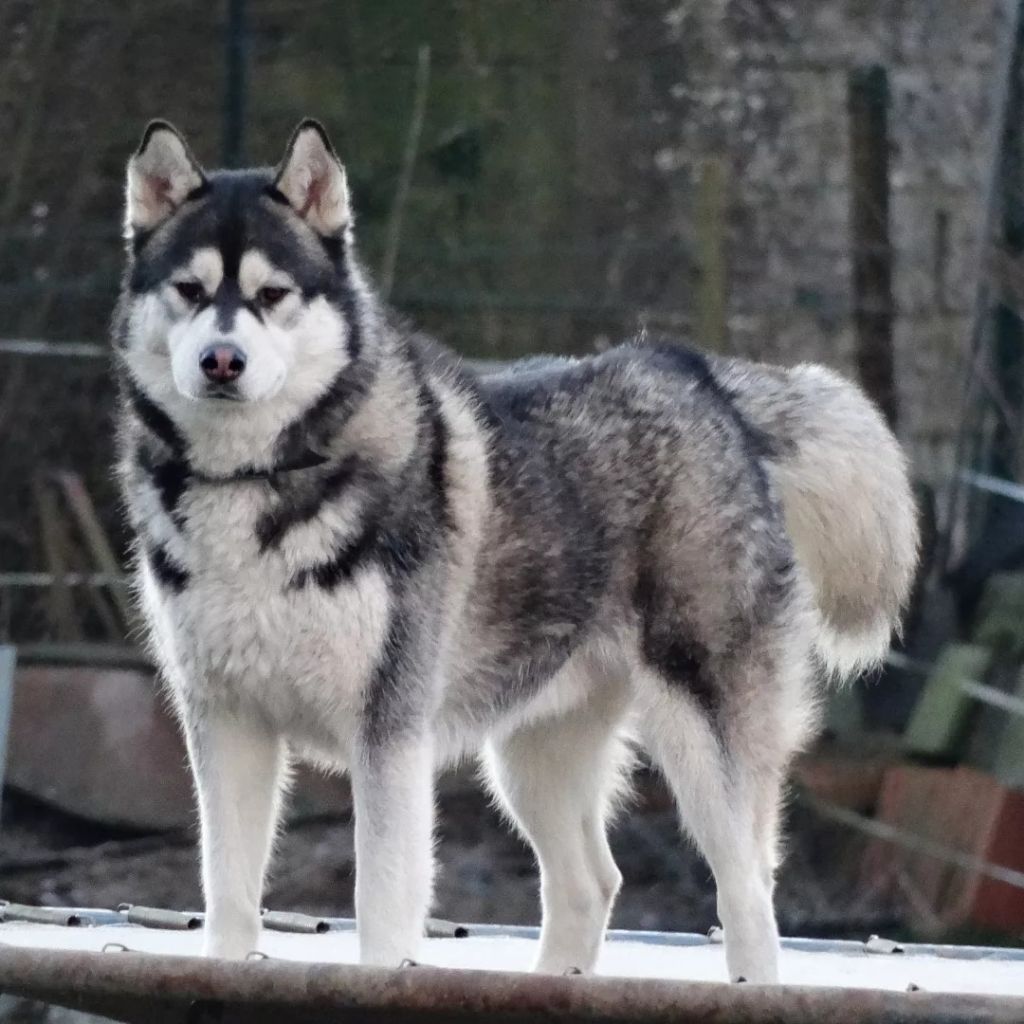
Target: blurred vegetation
{"type": "Point", "coordinates": [494, 230]}
{"type": "Point", "coordinates": [511, 237]}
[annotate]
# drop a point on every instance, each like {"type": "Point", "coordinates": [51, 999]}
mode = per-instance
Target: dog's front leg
{"type": "Point", "coordinates": [238, 767]}
{"type": "Point", "coordinates": [393, 791]}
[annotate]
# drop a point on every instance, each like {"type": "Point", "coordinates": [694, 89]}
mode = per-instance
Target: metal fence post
{"type": "Point", "coordinates": [712, 292]}
{"type": "Point", "coordinates": [235, 56]}
{"type": "Point", "coordinates": [1008, 363]}
{"type": "Point", "coordinates": [7, 662]}
{"type": "Point", "coordinates": [872, 250]}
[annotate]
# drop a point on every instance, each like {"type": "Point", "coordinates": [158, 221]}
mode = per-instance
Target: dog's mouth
{"type": "Point", "coordinates": [224, 393]}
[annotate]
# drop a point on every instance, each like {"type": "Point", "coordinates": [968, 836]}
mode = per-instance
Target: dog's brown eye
{"type": "Point", "coordinates": [268, 297]}
{"type": "Point", "coordinates": [190, 291]}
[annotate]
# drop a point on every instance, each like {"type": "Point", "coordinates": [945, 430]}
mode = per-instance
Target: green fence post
{"type": "Point", "coordinates": [235, 57]}
{"type": "Point", "coordinates": [868, 104]}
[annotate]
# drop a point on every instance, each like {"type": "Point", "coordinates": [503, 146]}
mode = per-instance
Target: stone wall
{"type": "Point", "coordinates": [765, 86]}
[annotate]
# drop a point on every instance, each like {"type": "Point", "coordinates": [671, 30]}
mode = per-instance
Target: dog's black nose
{"type": "Point", "coordinates": [222, 363]}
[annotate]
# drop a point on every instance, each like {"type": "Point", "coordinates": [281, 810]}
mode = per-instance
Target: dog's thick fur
{"type": "Point", "coordinates": [360, 553]}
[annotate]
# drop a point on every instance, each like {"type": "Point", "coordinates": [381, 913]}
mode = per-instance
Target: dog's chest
{"type": "Point", "coordinates": [243, 629]}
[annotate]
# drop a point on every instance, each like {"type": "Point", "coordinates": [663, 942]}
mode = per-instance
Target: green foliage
{"type": "Point", "coordinates": [492, 183]}
{"type": "Point", "coordinates": [942, 714]}
{"type": "Point", "coordinates": [999, 623]}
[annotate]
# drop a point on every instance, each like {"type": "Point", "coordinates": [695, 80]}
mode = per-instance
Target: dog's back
{"type": "Point", "coordinates": [592, 458]}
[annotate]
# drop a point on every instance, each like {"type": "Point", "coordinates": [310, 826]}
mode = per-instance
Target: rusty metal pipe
{"type": "Point", "coordinates": [149, 989]}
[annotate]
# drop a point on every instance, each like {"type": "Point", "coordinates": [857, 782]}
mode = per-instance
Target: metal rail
{"type": "Point", "coordinates": [150, 989]}
{"type": "Point", "coordinates": [8, 660]}
{"type": "Point", "coordinates": [912, 841]}
{"type": "Point", "coordinates": [64, 349]}
{"type": "Point", "coordinates": [67, 579]}
{"type": "Point", "coordinates": [983, 693]}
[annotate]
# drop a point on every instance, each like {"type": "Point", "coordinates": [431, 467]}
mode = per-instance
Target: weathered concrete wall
{"type": "Point", "coordinates": [765, 86]}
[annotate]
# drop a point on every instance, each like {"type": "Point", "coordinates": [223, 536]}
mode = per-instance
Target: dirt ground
{"type": "Point", "coordinates": [485, 873]}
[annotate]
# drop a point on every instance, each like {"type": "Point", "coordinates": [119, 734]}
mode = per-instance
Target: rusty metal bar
{"type": "Point", "coordinates": [148, 989]}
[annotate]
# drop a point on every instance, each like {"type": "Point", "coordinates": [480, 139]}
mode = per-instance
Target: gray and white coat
{"type": "Point", "coordinates": [354, 551]}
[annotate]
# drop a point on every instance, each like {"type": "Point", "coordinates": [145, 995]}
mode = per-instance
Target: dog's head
{"type": "Point", "coordinates": [237, 285]}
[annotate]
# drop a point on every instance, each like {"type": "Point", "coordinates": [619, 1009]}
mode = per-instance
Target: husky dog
{"type": "Point", "coordinates": [354, 551]}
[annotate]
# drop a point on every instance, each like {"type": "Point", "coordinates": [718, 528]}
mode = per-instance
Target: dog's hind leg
{"type": "Point", "coordinates": [238, 765]}
{"type": "Point", "coordinates": [725, 753]}
{"type": "Point", "coordinates": [557, 779]}
{"type": "Point", "coordinates": [718, 803]}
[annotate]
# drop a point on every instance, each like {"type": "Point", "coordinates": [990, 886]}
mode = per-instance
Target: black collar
{"type": "Point", "coordinates": [305, 460]}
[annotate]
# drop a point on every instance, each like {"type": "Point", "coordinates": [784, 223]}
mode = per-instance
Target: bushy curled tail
{"type": "Point", "coordinates": [848, 504]}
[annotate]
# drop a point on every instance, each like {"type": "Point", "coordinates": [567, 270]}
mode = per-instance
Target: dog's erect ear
{"type": "Point", "coordinates": [161, 175]}
{"type": "Point", "coordinates": [312, 179]}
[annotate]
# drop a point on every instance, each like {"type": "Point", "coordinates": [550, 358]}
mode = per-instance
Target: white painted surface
{"type": "Point", "coordinates": [622, 958]}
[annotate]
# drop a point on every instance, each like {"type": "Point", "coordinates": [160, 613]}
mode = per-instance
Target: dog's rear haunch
{"type": "Point", "coordinates": [352, 550]}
